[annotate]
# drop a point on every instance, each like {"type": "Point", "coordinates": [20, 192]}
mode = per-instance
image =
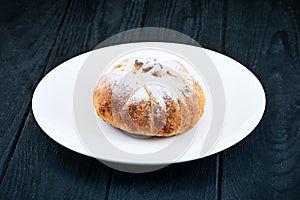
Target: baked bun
{"type": "Point", "coordinates": [149, 97]}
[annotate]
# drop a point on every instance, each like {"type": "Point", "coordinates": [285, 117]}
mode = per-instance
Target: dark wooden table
{"type": "Point", "coordinates": [36, 36]}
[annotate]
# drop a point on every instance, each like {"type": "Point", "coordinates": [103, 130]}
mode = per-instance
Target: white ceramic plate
{"type": "Point", "coordinates": [53, 107]}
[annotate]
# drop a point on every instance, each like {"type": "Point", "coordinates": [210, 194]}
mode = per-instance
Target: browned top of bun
{"type": "Point", "coordinates": [149, 97]}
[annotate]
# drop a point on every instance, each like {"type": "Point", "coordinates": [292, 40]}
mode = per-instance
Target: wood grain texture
{"type": "Point", "coordinates": [28, 32]}
{"type": "Point", "coordinates": [80, 32]}
{"type": "Point", "coordinates": [42, 169]}
{"type": "Point", "coordinates": [36, 37]}
{"type": "Point", "coordinates": [201, 20]}
{"type": "Point", "coordinates": [192, 180]}
{"type": "Point", "coordinates": [266, 165]}
{"type": "Point", "coordinates": [39, 167]}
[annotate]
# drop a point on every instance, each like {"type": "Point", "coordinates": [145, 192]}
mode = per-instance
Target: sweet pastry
{"type": "Point", "coordinates": [148, 96]}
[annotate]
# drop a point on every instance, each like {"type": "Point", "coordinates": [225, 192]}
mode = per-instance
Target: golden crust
{"type": "Point", "coordinates": [181, 115]}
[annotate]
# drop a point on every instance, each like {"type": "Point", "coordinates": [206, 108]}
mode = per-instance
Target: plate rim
{"type": "Point", "coordinates": [186, 158]}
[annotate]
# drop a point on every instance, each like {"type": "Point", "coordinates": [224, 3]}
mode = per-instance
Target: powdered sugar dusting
{"type": "Point", "coordinates": [135, 80]}
{"type": "Point", "coordinates": [169, 73]}
{"type": "Point", "coordinates": [139, 95]}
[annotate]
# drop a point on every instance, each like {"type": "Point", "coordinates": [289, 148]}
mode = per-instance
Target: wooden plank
{"type": "Point", "coordinates": [265, 37]}
{"type": "Point", "coordinates": [28, 32]}
{"type": "Point", "coordinates": [193, 180]}
{"type": "Point", "coordinates": [42, 169]}
{"type": "Point", "coordinates": [201, 20]}
{"type": "Point", "coordinates": [39, 167]}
